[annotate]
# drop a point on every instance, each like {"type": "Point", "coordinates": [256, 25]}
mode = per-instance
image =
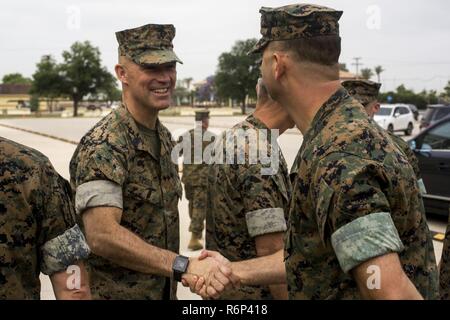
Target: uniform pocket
{"type": "Point", "coordinates": [151, 194]}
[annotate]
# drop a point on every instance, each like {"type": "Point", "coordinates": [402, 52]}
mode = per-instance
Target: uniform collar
{"type": "Point", "coordinates": [328, 108]}
{"type": "Point", "coordinates": [256, 122]}
{"type": "Point", "coordinates": [137, 139]}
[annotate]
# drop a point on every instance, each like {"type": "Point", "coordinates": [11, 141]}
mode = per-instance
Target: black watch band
{"type": "Point", "coordinates": [180, 265]}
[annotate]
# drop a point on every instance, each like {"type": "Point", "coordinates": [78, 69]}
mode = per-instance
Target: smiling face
{"type": "Point", "coordinates": [150, 86]}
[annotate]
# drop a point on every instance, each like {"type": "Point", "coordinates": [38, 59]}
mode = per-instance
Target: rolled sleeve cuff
{"type": "Point", "coordinates": [265, 221]}
{"type": "Point", "coordinates": [365, 238]}
{"type": "Point", "coordinates": [65, 250]}
{"type": "Point", "coordinates": [100, 193]}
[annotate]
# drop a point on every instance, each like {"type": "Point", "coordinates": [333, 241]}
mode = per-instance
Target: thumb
{"type": "Point", "coordinates": [203, 255]}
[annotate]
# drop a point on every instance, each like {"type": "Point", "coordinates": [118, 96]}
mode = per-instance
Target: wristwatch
{"type": "Point", "coordinates": [180, 265]}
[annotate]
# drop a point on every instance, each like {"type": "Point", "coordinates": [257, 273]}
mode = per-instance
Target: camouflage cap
{"type": "Point", "coordinates": [296, 21]}
{"type": "Point", "coordinates": [201, 114]}
{"type": "Point", "coordinates": [364, 91]}
{"type": "Point", "coordinates": [150, 44]}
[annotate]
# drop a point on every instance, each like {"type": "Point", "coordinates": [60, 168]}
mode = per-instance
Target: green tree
{"type": "Point", "coordinates": [379, 70]}
{"type": "Point", "coordinates": [15, 78]}
{"type": "Point", "coordinates": [447, 89]}
{"type": "Point", "coordinates": [109, 91]}
{"type": "Point", "coordinates": [343, 67]}
{"type": "Point", "coordinates": [366, 73]}
{"type": "Point", "coordinates": [404, 95]}
{"type": "Point", "coordinates": [445, 95]}
{"type": "Point", "coordinates": [238, 73]}
{"type": "Point", "coordinates": [83, 73]}
{"type": "Point", "coordinates": [47, 81]}
{"type": "Point", "coordinates": [34, 102]}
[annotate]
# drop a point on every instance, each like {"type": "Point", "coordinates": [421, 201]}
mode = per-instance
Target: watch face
{"type": "Point", "coordinates": [180, 264]}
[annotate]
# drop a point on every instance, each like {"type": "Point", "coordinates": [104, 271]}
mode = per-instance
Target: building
{"type": "Point", "coordinates": [14, 96]}
{"type": "Point", "coordinates": [345, 75]}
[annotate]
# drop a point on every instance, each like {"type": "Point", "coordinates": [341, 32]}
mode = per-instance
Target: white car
{"type": "Point", "coordinates": [395, 117]}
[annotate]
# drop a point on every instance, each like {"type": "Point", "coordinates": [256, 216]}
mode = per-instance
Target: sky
{"type": "Point", "coordinates": [409, 39]}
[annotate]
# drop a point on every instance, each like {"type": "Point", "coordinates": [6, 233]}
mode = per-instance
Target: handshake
{"type": "Point", "coordinates": [209, 275]}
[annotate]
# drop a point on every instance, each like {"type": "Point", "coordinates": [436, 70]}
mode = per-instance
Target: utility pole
{"type": "Point", "coordinates": [357, 64]}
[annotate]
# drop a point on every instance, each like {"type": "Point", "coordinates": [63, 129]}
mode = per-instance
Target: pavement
{"type": "Point", "coordinates": [71, 130]}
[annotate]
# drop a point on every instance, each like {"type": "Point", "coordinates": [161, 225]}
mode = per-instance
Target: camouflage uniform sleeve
{"type": "Point", "coordinates": [99, 175]}
{"type": "Point", "coordinates": [61, 241]}
{"type": "Point", "coordinates": [352, 211]}
{"type": "Point", "coordinates": [263, 203]}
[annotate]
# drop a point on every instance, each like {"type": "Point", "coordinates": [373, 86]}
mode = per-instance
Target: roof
{"type": "Point", "coordinates": [345, 75]}
{"type": "Point", "coordinates": [15, 88]}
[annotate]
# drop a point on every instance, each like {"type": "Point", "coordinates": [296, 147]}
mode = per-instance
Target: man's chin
{"type": "Point", "coordinates": [161, 105]}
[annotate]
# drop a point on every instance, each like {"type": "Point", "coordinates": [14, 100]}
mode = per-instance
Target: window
{"type": "Point", "coordinates": [438, 138]}
{"type": "Point", "coordinates": [404, 110]}
{"type": "Point", "coordinates": [384, 112]}
{"type": "Point", "coordinates": [442, 113]}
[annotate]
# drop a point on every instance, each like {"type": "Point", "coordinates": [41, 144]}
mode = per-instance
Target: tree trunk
{"type": "Point", "coordinates": [75, 107]}
{"type": "Point", "coordinates": [244, 106]}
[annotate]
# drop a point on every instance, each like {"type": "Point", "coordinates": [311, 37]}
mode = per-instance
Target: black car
{"type": "Point", "coordinates": [432, 148]}
{"type": "Point", "coordinates": [433, 114]}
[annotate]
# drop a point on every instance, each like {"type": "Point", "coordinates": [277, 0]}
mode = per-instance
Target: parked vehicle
{"type": "Point", "coordinates": [396, 117]}
{"type": "Point", "coordinates": [433, 114]}
{"type": "Point", "coordinates": [415, 111]}
{"type": "Point", "coordinates": [432, 148]}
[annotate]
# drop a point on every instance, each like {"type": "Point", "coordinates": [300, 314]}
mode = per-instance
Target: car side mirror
{"type": "Point", "coordinates": [396, 115]}
{"type": "Point", "coordinates": [426, 150]}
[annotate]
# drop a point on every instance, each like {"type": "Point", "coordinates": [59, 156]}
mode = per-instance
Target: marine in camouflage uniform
{"type": "Point", "coordinates": [445, 265]}
{"type": "Point", "coordinates": [366, 92]}
{"type": "Point", "coordinates": [355, 196]}
{"type": "Point", "coordinates": [195, 179]}
{"type": "Point", "coordinates": [122, 164]}
{"type": "Point", "coordinates": [245, 203]}
{"type": "Point", "coordinates": [38, 232]}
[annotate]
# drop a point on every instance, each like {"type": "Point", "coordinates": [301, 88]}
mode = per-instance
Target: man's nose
{"type": "Point", "coordinates": [163, 76]}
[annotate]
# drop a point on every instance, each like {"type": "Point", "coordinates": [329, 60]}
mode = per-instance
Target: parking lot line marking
{"type": "Point", "coordinates": [39, 134]}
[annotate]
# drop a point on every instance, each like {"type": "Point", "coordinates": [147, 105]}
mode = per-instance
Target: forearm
{"type": "Point", "coordinates": [267, 270]}
{"type": "Point", "coordinates": [279, 291]}
{"type": "Point", "coordinates": [126, 249]}
{"type": "Point", "coordinates": [66, 286]}
{"type": "Point", "coordinates": [402, 289]}
{"type": "Point", "coordinates": [392, 282]}
{"type": "Point", "coordinates": [84, 293]}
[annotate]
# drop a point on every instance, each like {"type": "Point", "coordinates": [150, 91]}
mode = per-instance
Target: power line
{"type": "Point", "coordinates": [357, 64]}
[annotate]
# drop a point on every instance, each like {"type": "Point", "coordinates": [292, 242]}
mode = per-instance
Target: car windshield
{"type": "Point", "coordinates": [384, 112]}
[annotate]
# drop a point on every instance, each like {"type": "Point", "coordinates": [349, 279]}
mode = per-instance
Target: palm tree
{"type": "Point", "coordinates": [378, 71]}
{"type": "Point", "coordinates": [366, 73]}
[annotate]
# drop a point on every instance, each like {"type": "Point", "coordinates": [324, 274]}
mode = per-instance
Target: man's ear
{"type": "Point", "coordinates": [121, 73]}
{"type": "Point", "coordinates": [279, 65]}
{"type": "Point", "coordinates": [376, 107]}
